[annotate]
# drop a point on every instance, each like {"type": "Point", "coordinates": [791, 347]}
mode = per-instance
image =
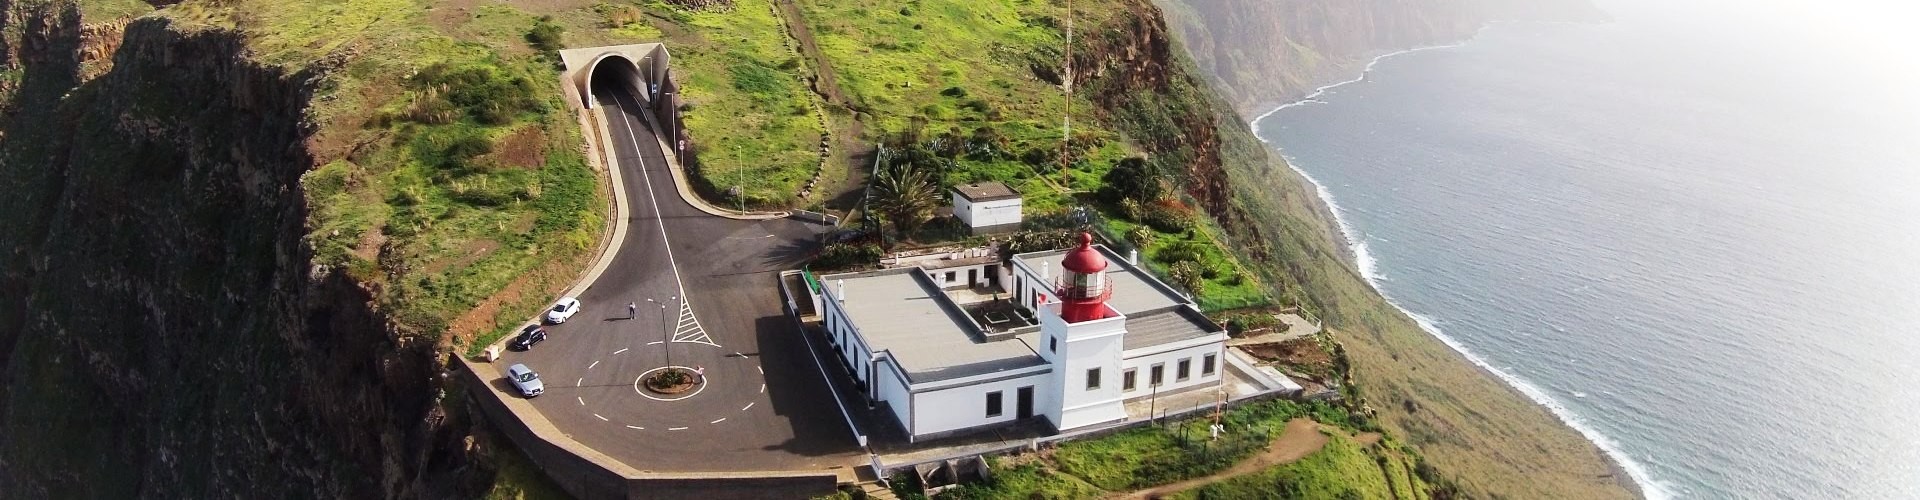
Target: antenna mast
{"type": "Point", "coordinates": [1066, 123]}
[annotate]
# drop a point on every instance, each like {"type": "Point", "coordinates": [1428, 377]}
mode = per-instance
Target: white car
{"type": "Point", "coordinates": [563, 310]}
{"type": "Point", "coordinates": [525, 380]}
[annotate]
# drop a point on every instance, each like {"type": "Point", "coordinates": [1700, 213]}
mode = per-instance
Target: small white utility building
{"type": "Point", "coordinates": [1082, 333]}
{"type": "Point", "coordinates": [987, 207]}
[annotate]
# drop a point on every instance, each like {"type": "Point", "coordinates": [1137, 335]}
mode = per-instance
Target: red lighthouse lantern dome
{"type": "Point", "coordinates": [1084, 288]}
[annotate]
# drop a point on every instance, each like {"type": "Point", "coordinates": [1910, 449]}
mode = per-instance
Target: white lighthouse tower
{"type": "Point", "coordinates": [1082, 339]}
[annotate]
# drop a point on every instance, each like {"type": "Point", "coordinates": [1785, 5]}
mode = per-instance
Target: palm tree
{"type": "Point", "coordinates": [905, 194]}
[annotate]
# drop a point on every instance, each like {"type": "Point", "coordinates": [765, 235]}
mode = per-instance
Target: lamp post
{"type": "Point", "coordinates": [666, 334]}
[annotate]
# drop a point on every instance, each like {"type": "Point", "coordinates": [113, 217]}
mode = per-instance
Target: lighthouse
{"type": "Point", "coordinates": [1084, 288]}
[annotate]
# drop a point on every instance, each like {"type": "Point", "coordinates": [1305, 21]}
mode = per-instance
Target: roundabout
{"type": "Point", "coordinates": [664, 392]}
{"type": "Point", "coordinates": [655, 381]}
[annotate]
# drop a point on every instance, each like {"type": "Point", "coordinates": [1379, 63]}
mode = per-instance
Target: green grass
{"type": "Point", "coordinates": [1029, 480]}
{"type": "Point", "coordinates": [1343, 469]}
{"type": "Point", "coordinates": [1151, 456]}
{"type": "Point", "coordinates": [1231, 286]}
{"type": "Point", "coordinates": [751, 117]}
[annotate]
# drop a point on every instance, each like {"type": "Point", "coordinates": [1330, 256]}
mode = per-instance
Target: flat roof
{"type": "Point", "coordinates": [1167, 326]}
{"type": "Point", "coordinates": [986, 191]}
{"type": "Point", "coordinates": [902, 312]}
{"type": "Point", "coordinates": [1133, 289]}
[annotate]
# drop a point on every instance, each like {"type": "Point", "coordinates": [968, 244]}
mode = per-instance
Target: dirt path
{"type": "Point", "coordinates": [826, 84]}
{"type": "Point", "coordinates": [1300, 438]}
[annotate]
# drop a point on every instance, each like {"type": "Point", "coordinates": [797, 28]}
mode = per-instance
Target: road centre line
{"type": "Point", "coordinates": [656, 342]}
{"type": "Point", "coordinates": [580, 383]}
{"type": "Point", "coordinates": [744, 408]}
{"type": "Point", "coordinates": [602, 419]}
{"type": "Point", "coordinates": [583, 402]}
{"type": "Point", "coordinates": [722, 419]}
{"type": "Point", "coordinates": [676, 428]}
{"type": "Point", "coordinates": [637, 428]}
{"type": "Point", "coordinates": [595, 363]}
{"type": "Point", "coordinates": [623, 349]}
{"type": "Point", "coordinates": [763, 389]}
{"type": "Point", "coordinates": [651, 199]}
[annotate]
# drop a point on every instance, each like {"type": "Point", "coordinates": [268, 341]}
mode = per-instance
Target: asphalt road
{"type": "Point", "coordinates": [763, 406]}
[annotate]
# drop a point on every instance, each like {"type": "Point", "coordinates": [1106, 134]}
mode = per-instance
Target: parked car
{"type": "Point", "coordinates": [562, 310]}
{"type": "Point", "coordinates": [525, 380]}
{"type": "Point", "coordinates": [528, 336]}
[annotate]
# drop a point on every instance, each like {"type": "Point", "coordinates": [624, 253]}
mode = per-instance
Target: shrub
{"type": "Point", "coordinates": [545, 35]}
{"type": "Point", "coordinates": [954, 92]}
{"type": "Point", "coordinates": [844, 255]}
{"type": "Point", "coordinates": [1186, 274]}
{"type": "Point", "coordinates": [484, 91]}
{"type": "Point", "coordinates": [1140, 236]}
{"type": "Point", "coordinates": [1180, 251]}
{"type": "Point", "coordinates": [1168, 218]}
{"type": "Point", "coordinates": [1132, 178]}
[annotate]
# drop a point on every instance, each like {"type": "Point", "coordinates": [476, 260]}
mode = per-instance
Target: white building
{"type": "Point", "coordinates": [987, 207]}
{"type": "Point", "coordinates": [948, 359]}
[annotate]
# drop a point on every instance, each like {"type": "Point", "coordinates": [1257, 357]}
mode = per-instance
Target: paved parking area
{"type": "Point", "coordinates": [763, 405]}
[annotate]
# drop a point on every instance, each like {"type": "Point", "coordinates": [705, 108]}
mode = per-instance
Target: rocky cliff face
{"type": "Point", "coordinates": [162, 331]}
{"type": "Point", "coordinates": [1263, 53]}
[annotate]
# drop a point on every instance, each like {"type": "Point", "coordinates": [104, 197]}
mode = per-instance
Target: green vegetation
{"type": "Point", "coordinates": [1343, 469]}
{"type": "Point", "coordinates": [1029, 481]}
{"type": "Point", "coordinates": [1192, 258]}
{"type": "Point", "coordinates": [977, 83]}
{"type": "Point", "coordinates": [1151, 456]}
{"type": "Point", "coordinates": [747, 108]}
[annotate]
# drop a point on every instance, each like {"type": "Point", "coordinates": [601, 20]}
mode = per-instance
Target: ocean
{"type": "Point", "coordinates": [1691, 232]}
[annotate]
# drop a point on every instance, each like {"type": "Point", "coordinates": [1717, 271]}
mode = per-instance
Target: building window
{"type": "Point", "coordinates": [949, 276]}
{"type": "Point", "coordinates": [1053, 344]}
{"type": "Point", "coordinates": [1180, 373]}
{"type": "Point", "coordinates": [1206, 365]}
{"type": "Point", "coordinates": [1154, 374]}
{"type": "Point", "coordinates": [1126, 380]}
{"type": "Point", "coordinates": [993, 404]}
{"type": "Point", "coordinates": [1093, 379]}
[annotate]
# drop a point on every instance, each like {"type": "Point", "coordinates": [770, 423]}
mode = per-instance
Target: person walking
{"type": "Point", "coordinates": [631, 307]}
{"type": "Point", "coordinates": [701, 372]}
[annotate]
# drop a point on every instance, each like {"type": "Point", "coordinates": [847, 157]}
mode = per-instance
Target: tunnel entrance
{"type": "Point", "coordinates": [639, 74]}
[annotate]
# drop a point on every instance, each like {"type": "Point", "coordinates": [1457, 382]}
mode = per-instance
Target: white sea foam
{"type": "Point", "coordinates": [1369, 269]}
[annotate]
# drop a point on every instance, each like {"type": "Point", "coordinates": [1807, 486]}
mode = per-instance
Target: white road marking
{"type": "Point", "coordinates": [636, 428]}
{"type": "Point", "coordinates": [580, 383]}
{"type": "Point", "coordinates": [583, 402]}
{"type": "Point", "coordinates": [757, 369]}
{"type": "Point", "coordinates": [653, 200]}
{"type": "Point", "coordinates": [602, 419]}
{"type": "Point", "coordinates": [655, 342]}
{"type": "Point", "coordinates": [722, 419]}
{"type": "Point", "coordinates": [595, 363]}
{"type": "Point", "coordinates": [738, 355]}
{"type": "Point", "coordinates": [744, 408]}
{"type": "Point", "coordinates": [676, 428]}
{"type": "Point", "coordinates": [763, 389]}
{"type": "Point", "coordinates": [620, 351]}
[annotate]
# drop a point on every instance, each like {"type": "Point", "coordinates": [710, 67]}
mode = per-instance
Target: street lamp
{"type": "Point", "coordinates": [666, 334]}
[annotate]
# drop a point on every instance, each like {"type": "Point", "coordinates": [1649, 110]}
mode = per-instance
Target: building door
{"type": "Point", "coordinates": [973, 278]}
{"type": "Point", "coordinates": [1023, 403]}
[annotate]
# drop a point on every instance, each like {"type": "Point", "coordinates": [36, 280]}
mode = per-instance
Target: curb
{"type": "Point", "coordinates": [682, 184]}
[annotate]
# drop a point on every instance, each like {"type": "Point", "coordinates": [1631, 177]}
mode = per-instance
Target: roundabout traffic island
{"type": "Point", "coordinates": [674, 380]}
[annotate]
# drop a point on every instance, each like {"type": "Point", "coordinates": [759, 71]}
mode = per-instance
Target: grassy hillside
{"type": "Point", "coordinates": [448, 176]}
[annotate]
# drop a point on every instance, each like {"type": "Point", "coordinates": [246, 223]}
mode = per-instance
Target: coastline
{"type": "Point", "coordinates": [1626, 472]}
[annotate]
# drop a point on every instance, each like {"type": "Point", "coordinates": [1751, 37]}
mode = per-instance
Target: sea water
{"type": "Point", "coordinates": [1691, 232]}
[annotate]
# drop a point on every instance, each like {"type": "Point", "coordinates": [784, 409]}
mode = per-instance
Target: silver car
{"type": "Point", "coordinates": [525, 380]}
